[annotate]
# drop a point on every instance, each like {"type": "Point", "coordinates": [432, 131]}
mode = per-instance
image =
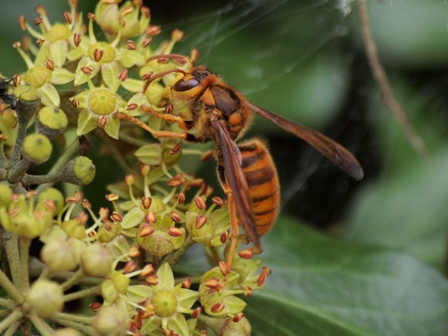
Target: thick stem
{"type": "Point", "coordinates": [24, 246]}
{"type": "Point", "coordinates": [18, 170]}
{"type": "Point", "coordinates": [83, 293]}
{"type": "Point", "coordinates": [16, 315]}
{"type": "Point", "coordinates": [11, 290]}
{"type": "Point", "coordinates": [73, 280]}
{"type": "Point", "coordinates": [41, 325]}
{"type": "Point", "coordinates": [71, 152]}
{"type": "Point", "coordinates": [12, 329]}
{"type": "Point", "coordinates": [13, 254]}
{"type": "Point", "coordinates": [21, 133]}
{"type": "Point", "coordinates": [174, 258]}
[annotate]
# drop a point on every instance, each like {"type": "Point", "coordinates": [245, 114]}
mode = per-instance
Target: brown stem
{"type": "Point", "coordinates": [381, 77]}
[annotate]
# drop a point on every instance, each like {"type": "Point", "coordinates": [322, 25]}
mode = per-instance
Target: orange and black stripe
{"type": "Point", "coordinates": [264, 188]}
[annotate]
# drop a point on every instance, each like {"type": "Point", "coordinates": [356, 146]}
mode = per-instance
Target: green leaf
{"type": "Point", "coordinates": [321, 286]}
{"type": "Point", "coordinates": [407, 212]}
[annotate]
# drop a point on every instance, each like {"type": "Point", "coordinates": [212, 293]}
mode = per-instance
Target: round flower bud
{"type": "Point", "coordinates": [84, 169]}
{"type": "Point", "coordinates": [108, 291]}
{"type": "Point", "coordinates": [96, 261]}
{"type": "Point", "coordinates": [46, 298]}
{"type": "Point", "coordinates": [5, 195]}
{"type": "Point", "coordinates": [53, 195]}
{"type": "Point", "coordinates": [37, 148]}
{"type": "Point", "coordinates": [111, 321]}
{"type": "Point", "coordinates": [121, 282]}
{"type": "Point", "coordinates": [51, 121]}
{"type": "Point", "coordinates": [59, 256]}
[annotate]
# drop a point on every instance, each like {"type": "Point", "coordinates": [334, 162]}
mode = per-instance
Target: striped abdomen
{"type": "Point", "coordinates": [262, 179]}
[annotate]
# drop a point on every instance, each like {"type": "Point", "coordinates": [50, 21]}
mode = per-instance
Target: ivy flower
{"type": "Point", "coordinates": [217, 295]}
{"type": "Point", "coordinates": [54, 42]}
{"type": "Point", "coordinates": [168, 304]}
{"type": "Point", "coordinates": [98, 106]}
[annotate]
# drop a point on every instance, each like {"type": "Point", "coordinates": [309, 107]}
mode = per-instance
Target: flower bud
{"type": "Point", "coordinates": [37, 148]}
{"type": "Point", "coordinates": [59, 256]}
{"type": "Point", "coordinates": [121, 282]}
{"type": "Point", "coordinates": [110, 321]}
{"type": "Point", "coordinates": [79, 171]}
{"type": "Point", "coordinates": [84, 170]}
{"type": "Point", "coordinates": [108, 291]}
{"type": "Point", "coordinates": [96, 261]}
{"type": "Point", "coordinates": [46, 298]}
{"type": "Point", "coordinates": [73, 229]}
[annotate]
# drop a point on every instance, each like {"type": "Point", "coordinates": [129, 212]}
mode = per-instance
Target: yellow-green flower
{"type": "Point", "coordinates": [98, 107]}
{"type": "Point", "coordinates": [169, 303]}
{"type": "Point", "coordinates": [54, 40]}
{"type": "Point", "coordinates": [217, 295]}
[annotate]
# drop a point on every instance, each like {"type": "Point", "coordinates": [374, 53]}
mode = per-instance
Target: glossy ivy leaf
{"type": "Point", "coordinates": [322, 286]}
{"type": "Point", "coordinates": [408, 212]}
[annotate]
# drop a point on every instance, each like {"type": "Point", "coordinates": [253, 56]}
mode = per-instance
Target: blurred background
{"type": "Point", "coordinates": [305, 60]}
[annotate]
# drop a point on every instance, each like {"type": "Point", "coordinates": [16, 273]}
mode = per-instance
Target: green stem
{"type": "Point", "coordinates": [18, 170]}
{"type": "Point", "coordinates": [12, 329]}
{"type": "Point", "coordinates": [85, 330]}
{"type": "Point", "coordinates": [24, 246]}
{"type": "Point", "coordinates": [73, 280]}
{"type": "Point", "coordinates": [21, 133]}
{"type": "Point", "coordinates": [40, 179]}
{"type": "Point", "coordinates": [41, 325]}
{"type": "Point", "coordinates": [83, 293]}
{"type": "Point", "coordinates": [174, 258]}
{"type": "Point", "coordinates": [15, 316]}
{"type": "Point", "coordinates": [12, 251]}
{"type": "Point", "coordinates": [72, 318]}
{"type": "Point", "coordinates": [11, 290]}
{"type": "Point", "coordinates": [68, 154]}
{"type": "Point", "coordinates": [131, 140]}
{"type": "Point", "coordinates": [7, 304]}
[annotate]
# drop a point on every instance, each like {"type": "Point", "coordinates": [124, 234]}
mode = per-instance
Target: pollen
{"type": "Point", "coordinates": [102, 102]}
{"type": "Point", "coordinates": [108, 52]}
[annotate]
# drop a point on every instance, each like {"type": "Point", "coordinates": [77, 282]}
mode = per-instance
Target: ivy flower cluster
{"type": "Point", "coordinates": [126, 253]}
